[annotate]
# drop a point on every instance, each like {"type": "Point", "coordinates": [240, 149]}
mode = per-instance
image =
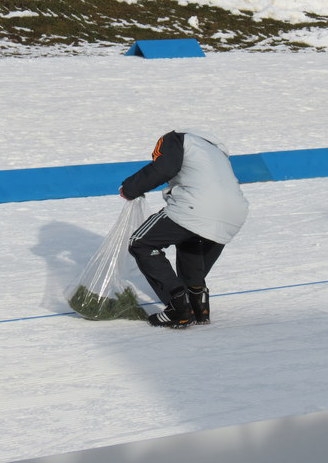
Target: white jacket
{"type": "Point", "coordinates": [205, 196]}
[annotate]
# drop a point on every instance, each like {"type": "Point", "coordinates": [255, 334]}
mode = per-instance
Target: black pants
{"type": "Point", "coordinates": [195, 255]}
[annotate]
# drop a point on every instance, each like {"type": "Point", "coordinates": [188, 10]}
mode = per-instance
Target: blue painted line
{"type": "Point", "coordinates": [233, 293]}
{"type": "Point", "coordinates": [52, 315]}
{"type": "Point", "coordinates": [272, 288]}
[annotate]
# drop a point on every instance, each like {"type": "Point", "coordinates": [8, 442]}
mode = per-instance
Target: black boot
{"type": "Point", "coordinates": [178, 313]}
{"type": "Point", "coordinates": [199, 300]}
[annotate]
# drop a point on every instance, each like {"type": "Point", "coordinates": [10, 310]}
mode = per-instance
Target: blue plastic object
{"type": "Point", "coordinates": [166, 48]}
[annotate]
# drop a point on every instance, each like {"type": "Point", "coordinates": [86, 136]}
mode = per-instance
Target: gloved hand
{"type": "Point", "coordinates": [121, 193]}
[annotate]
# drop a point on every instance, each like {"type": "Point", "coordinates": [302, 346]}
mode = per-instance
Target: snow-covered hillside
{"type": "Point", "coordinates": [33, 28]}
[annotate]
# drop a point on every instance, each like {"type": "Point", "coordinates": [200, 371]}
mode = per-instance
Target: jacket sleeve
{"type": "Point", "coordinates": [167, 160]}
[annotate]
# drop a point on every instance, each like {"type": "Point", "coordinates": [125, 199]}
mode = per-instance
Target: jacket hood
{"type": "Point", "coordinates": [209, 136]}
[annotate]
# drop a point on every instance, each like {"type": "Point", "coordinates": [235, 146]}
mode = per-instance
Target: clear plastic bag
{"type": "Point", "coordinates": [112, 286]}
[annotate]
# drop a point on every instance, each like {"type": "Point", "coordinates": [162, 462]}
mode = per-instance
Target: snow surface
{"type": "Point", "coordinates": [19, 14]}
{"type": "Point", "coordinates": [112, 108]}
{"type": "Point", "coordinates": [69, 384]}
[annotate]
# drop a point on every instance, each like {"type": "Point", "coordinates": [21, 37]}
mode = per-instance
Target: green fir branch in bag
{"type": "Point", "coordinates": [93, 307]}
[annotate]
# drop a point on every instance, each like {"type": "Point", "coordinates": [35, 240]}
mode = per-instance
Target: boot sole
{"type": "Point", "coordinates": [180, 325]}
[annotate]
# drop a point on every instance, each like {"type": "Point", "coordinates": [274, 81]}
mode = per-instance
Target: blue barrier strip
{"type": "Point", "coordinates": [104, 179]}
{"type": "Point", "coordinates": [250, 168]}
{"type": "Point", "coordinates": [300, 164]}
{"type": "Point", "coordinates": [64, 182]}
{"type": "Point", "coordinates": [233, 293]}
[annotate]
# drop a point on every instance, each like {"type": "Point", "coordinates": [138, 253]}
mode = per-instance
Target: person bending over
{"type": "Point", "coordinates": [205, 208]}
